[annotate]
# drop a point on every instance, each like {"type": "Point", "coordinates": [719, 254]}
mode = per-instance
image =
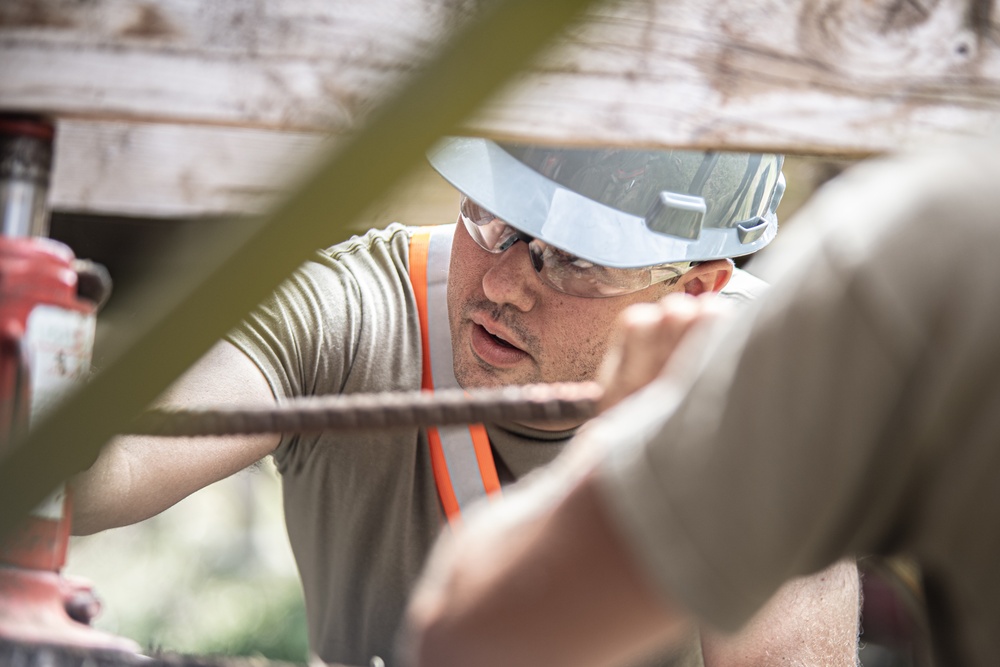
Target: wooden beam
{"type": "Point", "coordinates": [191, 107]}
{"type": "Point", "coordinates": [295, 65]}
{"type": "Point", "coordinates": [168, 171]}
{"type": "Point", "coordinates": [832, 76]}
{"type": "Point", "coordinates": [156, 170]}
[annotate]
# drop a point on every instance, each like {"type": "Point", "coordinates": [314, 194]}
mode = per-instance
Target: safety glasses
{"type": "Point", "coordinates": [558, 269]}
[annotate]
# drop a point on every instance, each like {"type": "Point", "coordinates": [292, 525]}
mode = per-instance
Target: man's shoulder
{"type": "Point", "coordinates": [394, 239]}
{"type": "Point", "coordinates": [393, 234]}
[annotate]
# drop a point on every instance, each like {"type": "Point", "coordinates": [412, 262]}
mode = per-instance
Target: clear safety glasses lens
{"type": "Point", "coordinates": [559, 269]}
{"type": "Point", "coordinates": [489, 231]}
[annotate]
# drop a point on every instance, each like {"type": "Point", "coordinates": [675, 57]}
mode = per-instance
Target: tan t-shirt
{"type": "Point", "coordinates": [856, 409]}
{"type": "Point", "coordinates": [361, 509]}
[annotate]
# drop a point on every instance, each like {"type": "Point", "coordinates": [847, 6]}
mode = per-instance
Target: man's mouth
{"type": "Point", "coordinates": [494, 349]}
{"type": "Point", "coordinates": [501, 341]}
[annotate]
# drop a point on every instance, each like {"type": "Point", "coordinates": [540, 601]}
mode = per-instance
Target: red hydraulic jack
{"type": "Point", "coordinates": [48, 306]}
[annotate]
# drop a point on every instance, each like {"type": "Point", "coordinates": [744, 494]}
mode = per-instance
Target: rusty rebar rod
{"type": "Point", "coordinates": [527, 403]}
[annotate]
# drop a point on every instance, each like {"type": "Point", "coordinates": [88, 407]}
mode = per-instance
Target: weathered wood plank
{"type": "Point", "coordinates": [830, 76]}
{"type": "Point", "coordinates": [195, 107]}
{"type": "Point", "coordinates": [182, 171]}
{"type": "Point", "coordinates": [296, 64]}
{"type": "Point", "coordinates": [161, 170]}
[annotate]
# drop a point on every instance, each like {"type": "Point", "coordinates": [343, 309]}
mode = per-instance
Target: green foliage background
{"type": "Point", "coordinates": [213, 575]}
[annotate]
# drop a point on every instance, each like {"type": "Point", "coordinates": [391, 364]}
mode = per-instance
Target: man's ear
{"type": "Point", "coordinates": [709, 276]}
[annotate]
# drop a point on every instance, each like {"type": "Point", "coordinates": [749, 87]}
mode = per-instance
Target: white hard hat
{"type": "Point", "coordinates": [622, 208]}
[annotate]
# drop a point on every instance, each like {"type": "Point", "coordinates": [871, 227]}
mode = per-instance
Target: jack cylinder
{"type": "Point", "coordinates": [25, 164]}
{"type": "Point", "coordinates": [46, 341]}
{"type": "Point", "coordinates": [47, 337]}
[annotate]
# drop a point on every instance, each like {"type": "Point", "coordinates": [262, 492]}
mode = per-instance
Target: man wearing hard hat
{"type": "Point", "coordinates": [549, 248]}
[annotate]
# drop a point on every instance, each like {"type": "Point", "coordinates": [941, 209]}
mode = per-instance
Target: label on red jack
{"type": "Point", "coordinates": [59, 343]}
{"type": "Point", "coordinates": [56, 343]}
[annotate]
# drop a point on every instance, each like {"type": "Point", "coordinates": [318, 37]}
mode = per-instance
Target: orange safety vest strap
{"type": "Point", "coordinates": [418, 279]}
{"type": "Point", "coordinates": [461, 457]}
{"type": "Point", "coordinates": [484, 456]}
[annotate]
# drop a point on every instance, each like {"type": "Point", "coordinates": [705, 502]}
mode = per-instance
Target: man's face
{"type": "Point", "coordinates": [508, 327]}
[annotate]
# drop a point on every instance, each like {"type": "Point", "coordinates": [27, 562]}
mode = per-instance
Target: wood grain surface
{"type": "Point", "coordinates": [250, 89]}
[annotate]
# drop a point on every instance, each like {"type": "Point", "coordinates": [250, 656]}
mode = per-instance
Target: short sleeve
{"type": "Point", "coordinates": [327, 328]}
{"type": "Point", "coordinates": [805, 424]}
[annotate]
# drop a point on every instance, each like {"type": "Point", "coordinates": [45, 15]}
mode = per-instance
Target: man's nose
{"type": "Point", "coordinates": [512, 280]}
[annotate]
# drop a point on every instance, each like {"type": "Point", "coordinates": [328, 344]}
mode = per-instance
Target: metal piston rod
{"type": "Point", "coordinates": [528, 403]}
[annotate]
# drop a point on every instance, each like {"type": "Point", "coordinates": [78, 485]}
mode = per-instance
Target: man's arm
{"type": "Point", "coordinates": [809, 621]}
{"type": "Point", "coordinates": [551, 581]}
{"type": "Point", "coordinates": [812, 620]}
{"type": "Point", "coordinates": [558, 586]}
{"type": "Point", "coordinates": [528, 584]}
{"type": "Point", "coordinates": [136, 477]}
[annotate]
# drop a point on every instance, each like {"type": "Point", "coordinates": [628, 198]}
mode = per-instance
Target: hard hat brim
{"type": "Point", "coordinates": [540, 207]}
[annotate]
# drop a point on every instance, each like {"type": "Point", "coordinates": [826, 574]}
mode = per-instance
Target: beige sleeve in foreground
{"type": "Point", "coordinates": [794, 446]}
